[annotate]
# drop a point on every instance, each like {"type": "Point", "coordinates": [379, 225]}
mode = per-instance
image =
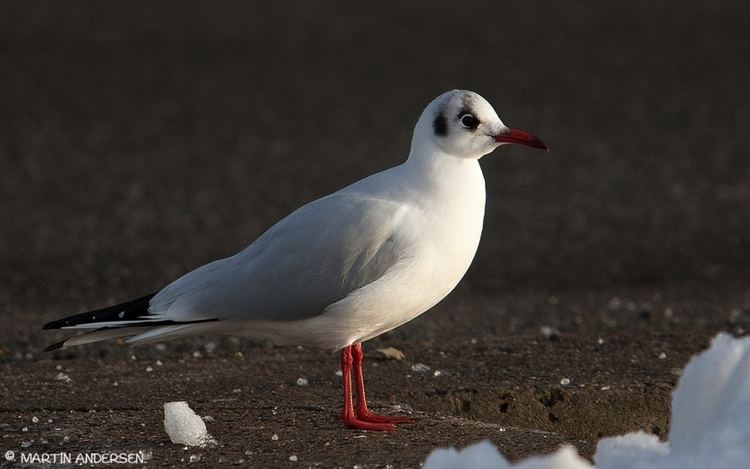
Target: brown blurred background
{"type": "Point", "coordinates": [142, 139]}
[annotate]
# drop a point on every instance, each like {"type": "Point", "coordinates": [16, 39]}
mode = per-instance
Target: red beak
{"type": "Point", "coordinates": [520, 137]}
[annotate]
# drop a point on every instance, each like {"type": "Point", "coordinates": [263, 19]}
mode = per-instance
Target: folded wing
{"type": "Point", "coordinates": [314, 257]}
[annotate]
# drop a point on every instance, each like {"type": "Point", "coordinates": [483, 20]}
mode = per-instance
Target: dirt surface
{"type": "Point", "coordinates": [140, 141]}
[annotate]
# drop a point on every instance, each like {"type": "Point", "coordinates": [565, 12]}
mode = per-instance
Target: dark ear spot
{"type": "Point", "coordinates": [440, 125]}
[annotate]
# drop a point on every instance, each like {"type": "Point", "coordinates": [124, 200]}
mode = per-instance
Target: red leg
{"type": "Point", "coordinates": [348, 415]}
{"type": "Point", "coordinates": [362, 411]}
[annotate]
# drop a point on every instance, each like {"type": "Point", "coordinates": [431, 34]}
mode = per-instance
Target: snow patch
{"type": "Point", "coordinates": [710, 417]}
{"type": "Point", "coordinates": [710, 425]}
{"type": "Point", "coordinates": [484, 455]}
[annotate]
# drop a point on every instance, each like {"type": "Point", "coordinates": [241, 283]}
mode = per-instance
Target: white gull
{"type": "Point", "coordinates": [344, 268]}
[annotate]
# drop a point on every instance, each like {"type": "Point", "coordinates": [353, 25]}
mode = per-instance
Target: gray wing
{"type": "Point", "coordinates": [309, 260]}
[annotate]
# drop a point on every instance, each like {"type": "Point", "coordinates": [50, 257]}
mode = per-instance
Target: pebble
{"type": "Point", "coordinates": [549, 332]}
{"type": "Point", "coordinates": [391, 353]}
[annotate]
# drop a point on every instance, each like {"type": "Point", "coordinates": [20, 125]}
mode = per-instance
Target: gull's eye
{"type": "Point", "coordinates": [469, 121]}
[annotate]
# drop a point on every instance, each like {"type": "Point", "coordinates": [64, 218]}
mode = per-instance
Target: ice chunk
{"type": "Point", "coordinates": [183, 425]}
{"type": "Point", "coordinates": [564, 458]}
{"type": "Point", "coordinates": [631, 450]}
{"type": "Point", "coordinates": [713, 396]}
{"type": "Point", "coordinates": [482, 455]}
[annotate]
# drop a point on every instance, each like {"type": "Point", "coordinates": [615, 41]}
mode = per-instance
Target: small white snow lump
{"type": "Point", "coordinates": [184, 426]}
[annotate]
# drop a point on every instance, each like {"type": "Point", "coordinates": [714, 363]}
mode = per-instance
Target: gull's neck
{"type": "Point", "coordinates": [448, 186]}
{"type": "Point", "coordinates": [432, 162]}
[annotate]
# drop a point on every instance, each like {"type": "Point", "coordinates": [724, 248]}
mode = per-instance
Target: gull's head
{"type": "Point", "coordinates": [463, 124]}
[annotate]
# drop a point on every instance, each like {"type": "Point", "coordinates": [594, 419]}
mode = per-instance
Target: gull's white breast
{"type": "Point", "coordinates": [437, 236]}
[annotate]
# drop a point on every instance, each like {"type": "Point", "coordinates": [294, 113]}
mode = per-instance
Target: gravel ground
{"type": "Point", "coordinates": [140, 140]}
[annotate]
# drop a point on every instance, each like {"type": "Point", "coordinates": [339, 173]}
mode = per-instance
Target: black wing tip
{"type": "Point", "coordinates": [53, 347]}
{"type": "Point", "coordinates": [130, 308]}
{"type": "Point", "coordinates": [57, 324]}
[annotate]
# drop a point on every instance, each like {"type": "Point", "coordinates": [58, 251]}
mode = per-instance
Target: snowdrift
{"type": "Point", "coordinates": [710, 425]}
